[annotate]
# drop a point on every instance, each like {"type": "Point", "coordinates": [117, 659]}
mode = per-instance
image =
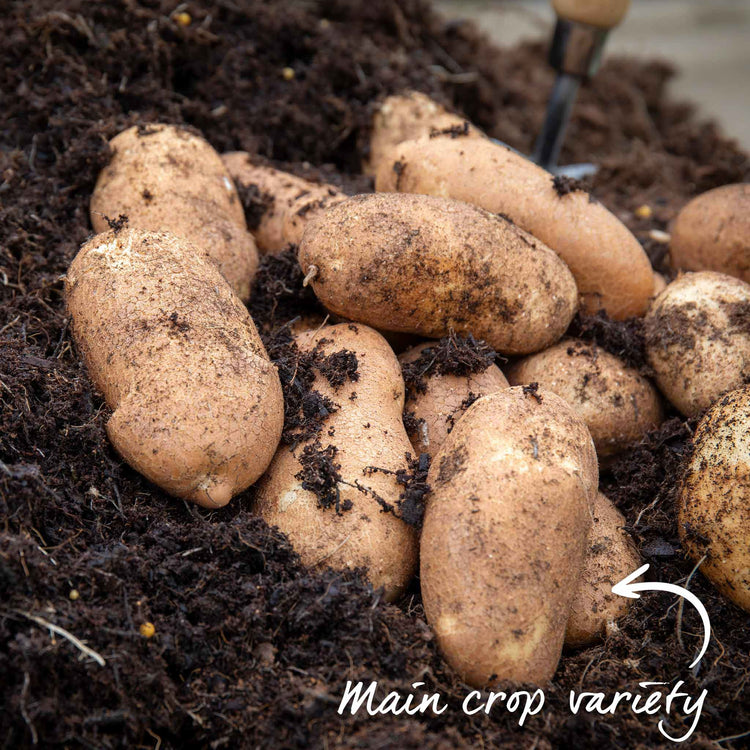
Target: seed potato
{"type": "Point", "coordinates": [197, 405]}
{"type": "Point", "coordinates": [609, 265]}
{"type": "Point", "coordinates": [712, 233]}
{"type": "Point", "coordinates": [617, 404]}
{"type": "Point", "coordinates": [166, 179]}
{"type": "Point", "coordinates": [444, 400]}
{"type": "Point", "coordinates": [714, 501]}
{"type": "Point", "coordinates": [505, 535]}
{"type": "Point", "coordinates": [365, 431]}
{"type": "Point", "coordinates": [426, 265]}
{"type": "Point", "coordinates": [291, 201]}
{"type": "Point", "coordinates": [698, 339]}
{"type": "Point", "coordinates": [610, 557]}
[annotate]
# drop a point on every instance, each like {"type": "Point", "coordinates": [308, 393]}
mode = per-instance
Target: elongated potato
{"type": "Point", "coordinates": [617, 404]}
{"type": "Point", "coordinates": [165, 179]}
{"type": "Point", "coordinates": [409, 116]}
{"type": "Point", "coordinates": [419, 264]}
{"type": "Point", "coordinates": [443, 398]}
{"type": "Point", "coordinates": [713, 505]}
{"type": "Point", "coordinates": [505, 535]}
{"type": "Point", "coordinates": [609, 265]}
{"type": "Point", "coordinates": [611, 556]}
{"type": "Point", "coordinates": [698, 339]}
{"type": "Point", "coordinates": [364, 431]}
{"type": "Point", "coordinates": [292, 201]}
{"type": "Point", "coordinates": [197, 405]}
{"type": "Point", "coordinates": [712, 233]}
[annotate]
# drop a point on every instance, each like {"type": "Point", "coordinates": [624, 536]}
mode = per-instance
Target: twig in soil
{"type": "Point", "coordinates": [98, 658]}
{"type": "Point", "coordinates": [24, 712]}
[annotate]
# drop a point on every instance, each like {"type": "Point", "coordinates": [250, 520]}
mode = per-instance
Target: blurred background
{"type": "Point", "coordinates": [708, 41]}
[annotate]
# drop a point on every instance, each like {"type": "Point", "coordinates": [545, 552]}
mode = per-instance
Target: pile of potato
{"type": "Point", "coordinates": [518, 549]}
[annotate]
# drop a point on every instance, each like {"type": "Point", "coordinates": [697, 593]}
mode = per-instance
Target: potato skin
{"type": "Point", "coordinates": [609, 265]}
{"type": "Point", "coordinates": [505, 535]}
{"type": "Point", "coordinates": [610, 557]}
{"type": "Point", "coordinates": [165, 179]}
{"type": "Point", "coordinates": [712, 233]}
{"type": "Point", "coordinates": [197, 405]}
{"type": "Point", "coordinates": [426, 265]}
{"type": "Point", "coordinates": [293, 201]}
{"type": "Point", "coordinates": [367, 431]}
{"type": "Point", "coordinates": [617, 404]}
{"type": "Point", "coordinates": [698, 339]}
{"type": "Point", "coordinates": [410, 116]}
{"type": "Point", "coordinates": [713, 505]}
{"type": "Point", "coordinates": [444, 400]}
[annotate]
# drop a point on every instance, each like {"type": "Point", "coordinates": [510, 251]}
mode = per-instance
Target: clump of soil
{"type": "Point", "coordinates": [451, 355]}
{"type": "Point", "coordinates": [251, 648]}
{"type": "Point", "coordinates": [625, 339]}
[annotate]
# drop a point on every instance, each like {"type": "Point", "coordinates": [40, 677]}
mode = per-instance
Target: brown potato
{"type": "Point", "coordinates": [406, 117]}
{"type": "Point", "coordinates": [617, 404]}
{"type": "Point", "coordinates": [609, 265]}
{"type": "Point", "coordinates": [364, 431]}
{"type": "Point", "coordinates": [197, 405]}
{"type": "Point", "coordinates": [291, 201]}
{"type": "Point", "coordinates": [444, 400]}
{"type": "Point", "coordinates": [713, 505]}
{"type": "Point", "coordinates": [698, 339]}
{"type": "Point", "coordinates": [505, 535]}
{"type": "Point", "coordinates": [426, 265]}
{"type": "Point", "coordinates": [611, 556]}
{"type": "Point", "coordinates": [712, 233]}
{"type": "Point", "coordinates": [660, 284]}
{"type": "Point", "coordinates": [165, 179]}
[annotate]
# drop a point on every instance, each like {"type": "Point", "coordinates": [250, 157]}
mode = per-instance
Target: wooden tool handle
{"type": "Point", "coordinates": [604, 14]}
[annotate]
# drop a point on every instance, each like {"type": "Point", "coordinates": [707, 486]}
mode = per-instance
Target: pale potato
{"type": "Point", "coordinates": [712, 233]}
{"type": "Point", "coordinates": [505, 535]}
{"type": "Point", "coordinates": [364, 431]}
{"type": "Point", "coordinates": [611, 556]}
{"type": "Point", "coordinates": [165, 179]}
{"type": "Point", "coordinates": [445, 398]}
{"type": "Point", "coordinates": [698, 339]}
{"type": "Point", "coordinates": [425, 265]}
{"type": "Point", "coordinates": [617, 404]}
{"type": "Point", "coordinates": [713, 504]}
{"type": "Point", "coordinates": [292, 201]}
{"type": "Point", "coordinates": [197, 405]}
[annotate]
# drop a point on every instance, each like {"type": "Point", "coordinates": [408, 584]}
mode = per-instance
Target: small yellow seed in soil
{"type": "Point", "coordinates": [643, 212]}
{"type": "Point", "coordinates": [182, 19]}
{"type": "Point", "coordinates": [147, 629]}
{"type": "Point", "coordinates": [73, 594]}
{"type": "Point", "coordinates": [287, 74]}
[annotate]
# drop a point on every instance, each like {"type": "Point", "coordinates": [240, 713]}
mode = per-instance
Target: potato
{"type": "Point", "coordinates": [406, 117]}
{"type": "Point", "coordinates": [364, 431]}
{"type": "Point", "coordinates": [617, 404]}
{"type": "Point", "coordinates": [167, 179]}
{"type": "Point", "coordinates": [426, 265]}
{"type": "Point", "coordinates": [505, 535]}
{"type": "Point", "coordinates": [611, 556]}
{"type": "Point", "coordinates": [197, 405]}
{"type": "Point", "coordinates": [445, 398]}
{"type": "Point", "coordinates": [712, 233]}
{"type": "Point", "coordinates": [713, 504]}
{"type": "Point", "coordinates": [609, 265]}
{"type": "Point", "coordinates": [698, 339]}
{"type": "Point", "coordinates": [292, 201]}
{"type": "Point", "coordinates": [660, 284]}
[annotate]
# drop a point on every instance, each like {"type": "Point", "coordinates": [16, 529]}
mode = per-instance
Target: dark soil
{"type": "Point", "coordinates": [251, 649]}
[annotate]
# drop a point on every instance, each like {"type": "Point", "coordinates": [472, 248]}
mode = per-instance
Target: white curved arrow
{"type": "Point", "coordinates": [627, 588]}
